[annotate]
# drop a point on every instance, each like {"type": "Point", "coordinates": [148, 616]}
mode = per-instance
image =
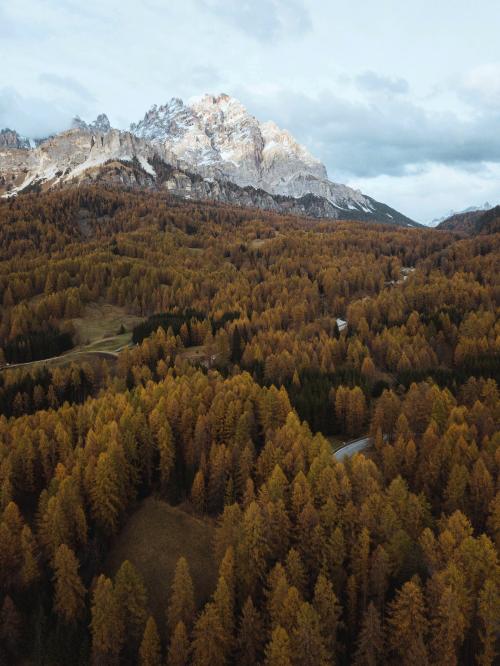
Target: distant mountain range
{"type": "Point", "coordinates": [209, 149]}
{"type": "Point", "coordinates": [485, 220]}
{"type": "Point", "coordinates": [453, 213]}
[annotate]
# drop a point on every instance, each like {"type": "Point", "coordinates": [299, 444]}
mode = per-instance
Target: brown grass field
{"type": "Point", "coordinates": [153, 539]}
{"type": "Point", "coordinates": [96, 336]}
{"type": "Point", "coordinates": [101, 321]}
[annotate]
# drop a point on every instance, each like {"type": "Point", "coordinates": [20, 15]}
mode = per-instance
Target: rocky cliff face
{"type": "Point", "coordinates": [180, 183]}
{"type": "Point", "coordinates": [211, 149]}
{"type": "Point", "coordinates": [67, 156]}
{"type": "Point", "coordinates": [216, 136]}
{"type": "Point", "coordinates": [11, 139]}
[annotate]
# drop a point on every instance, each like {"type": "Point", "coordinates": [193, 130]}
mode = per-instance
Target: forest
{"type": "Point", "coordinates": [262, 343]}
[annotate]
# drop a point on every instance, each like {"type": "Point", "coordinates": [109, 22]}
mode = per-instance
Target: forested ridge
{"type": "Point", "coordinates": [238, 383]}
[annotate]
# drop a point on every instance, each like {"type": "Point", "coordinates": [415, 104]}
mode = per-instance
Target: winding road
{"type": "Point", "coordinates": [68, 357]}
{"type": "Point", "coordinates": [355, 446]}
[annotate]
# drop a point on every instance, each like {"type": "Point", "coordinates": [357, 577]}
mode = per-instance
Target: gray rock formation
{"type": "Point", "coordinates": [101, 124]}
{"type": "Point", "coordinates": [11, 139]}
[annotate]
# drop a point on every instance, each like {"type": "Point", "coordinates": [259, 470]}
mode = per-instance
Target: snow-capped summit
{"type": "Point", "coordinates": [215, 136]}
{"type": "Point", "coordinates": [161, 122]}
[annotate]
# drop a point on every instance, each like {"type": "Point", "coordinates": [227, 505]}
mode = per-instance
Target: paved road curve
{"type": "Point", "coordinates": [350, 448]}
{"type": "Point", "coordinates": [69, 357]}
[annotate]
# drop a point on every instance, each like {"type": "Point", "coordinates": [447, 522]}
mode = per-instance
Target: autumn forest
{"type": "Point", "coordinates": [207, 362]}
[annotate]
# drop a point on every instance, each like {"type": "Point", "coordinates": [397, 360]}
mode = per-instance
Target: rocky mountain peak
{"type": "Point", "coordinates": [215, 135]}
{"type": "Point", "coordinates": [11, 139]}
{"type": "Point", "coordinates": [101, 124]}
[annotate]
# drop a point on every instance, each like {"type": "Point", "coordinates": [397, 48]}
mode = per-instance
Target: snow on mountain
{"type": "Point", "coordinates": [215, 136]}
{"type": "Point", "coordinates": [472, 209]}
{"type": "Point", "coordinates": [68, 155]}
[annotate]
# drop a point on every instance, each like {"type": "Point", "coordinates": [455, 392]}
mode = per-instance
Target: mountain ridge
{"type": "Point", "coordinates": [215, 139]}
{"type": "Point", "coordinates": [436, 222]}
{"type": "Point", "coordinates": [473, 222]}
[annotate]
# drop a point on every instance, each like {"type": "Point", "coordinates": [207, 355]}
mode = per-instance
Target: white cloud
{"type": "Point", "coordinates": [261, 19]}
{"type": "Point", "coordinates": [372, 82]}
{"type": "Point", "coordinates": [481, 85]}
{"type": "Point", "coordinates": [32, 116]}
{"type": "Point", "coordinates": [434, 190]}
{"type": "Point", "coordinates": [385, 134]}
{"type": "Point", "coordinates": [67, 84]}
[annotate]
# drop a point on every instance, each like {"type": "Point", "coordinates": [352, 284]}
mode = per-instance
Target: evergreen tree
{"type": "Point", "coordinates": [181, 607]}
{"type": "Point", "coordinates": [408, 625]}
{"type": "Point", "coordinates": [327, 607]}
{"type": "Point", "coordinates": [131, 598]}
{"type": "Point", "coordinates": [198, 492]}
{"type": "Point", "coordinates": [295, 571]}
{"type": "Point", "coordinates": [210, 644]}
{"type": "Point", "coordinates": [106, 494]}
{"type": "Point", "coordinates": [150, 650]}
{"type": "Point", "coordinates": [178, 651]}
{"type": "Point", "coordinates": [69, 592]}
{"type": "Point", "coordinates": [370, 650]}
{"type": "Point", "coordinates": [106, 625]}
{"type": "Point", "coordinates": [166, 450]}
{"type": "Point", "coordinates": [489, 618]}
{"type": "Point", "coordinates": [278, 650]}
{"type": "Point", "coordinates": [307, 642]}
{"type": "Point", "coordinates": [250, 635]}
{"type": "Point", "coordinates": [30, 571]}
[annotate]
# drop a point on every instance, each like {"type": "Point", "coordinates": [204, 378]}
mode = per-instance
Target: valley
{"type": "Point", "coordinates": [249, 333]}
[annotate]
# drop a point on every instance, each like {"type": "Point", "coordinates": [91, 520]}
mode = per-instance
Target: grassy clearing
{"type": "Point", "coordinates": [110, 344]}
{"type": "Point", "coordinates": [101, 321]}
{"type": "Point", "coordinates": [194, 353]}
{"type": "Point", "coordinates": [153, 539]}
{"type": "Point", "coordinates": [95, 332]}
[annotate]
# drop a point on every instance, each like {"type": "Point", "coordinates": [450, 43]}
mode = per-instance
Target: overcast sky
{"type": "Point", "coordinates": [399, 99]}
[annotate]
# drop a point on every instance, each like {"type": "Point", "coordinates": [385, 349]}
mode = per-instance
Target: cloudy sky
{"type": "Point", "coordinates": [399, 99]}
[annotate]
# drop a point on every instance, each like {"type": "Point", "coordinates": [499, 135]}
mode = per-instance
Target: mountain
{"type": "Point", "coordinates": [473, 222]}
{"type": "Point", "coordinates": [11, 139]}
{"type": "Point", "coordinates": [211, 149]}
{"type": "Point", "coordinates": [454, 214]}
{"type": "Point", "coordinates": [216, 137]}
{"type": "Point", "coordinates": [70, 156]}
{"type": "Point", "coordinates": [489, 222]}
